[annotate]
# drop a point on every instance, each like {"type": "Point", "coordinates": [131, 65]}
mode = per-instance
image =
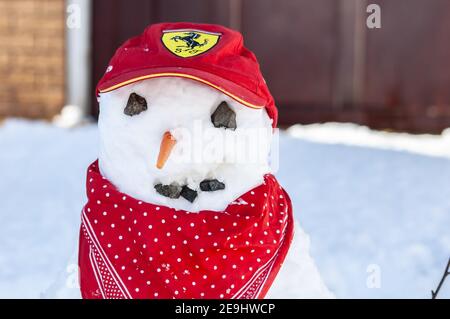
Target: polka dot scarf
{"type": "Point", "coordinates": [133, 249]}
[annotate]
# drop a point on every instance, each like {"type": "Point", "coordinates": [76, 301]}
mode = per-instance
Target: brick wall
{"type": "Point", "coordinates": [31, 57]}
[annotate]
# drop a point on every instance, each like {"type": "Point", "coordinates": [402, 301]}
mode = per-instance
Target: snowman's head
{"type": "Point", "coordinates": [182, 144]}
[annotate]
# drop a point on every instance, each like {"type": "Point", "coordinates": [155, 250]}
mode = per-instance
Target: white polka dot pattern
{"type": "Point", "coordinates": [140, 250]}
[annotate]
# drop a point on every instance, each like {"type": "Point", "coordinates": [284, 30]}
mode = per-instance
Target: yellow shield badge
{"type": "Point", "coordinates": [188, 43]}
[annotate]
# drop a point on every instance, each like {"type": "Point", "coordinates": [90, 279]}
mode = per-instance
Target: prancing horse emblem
{"type": "Point", "coordinates": [188, 43]}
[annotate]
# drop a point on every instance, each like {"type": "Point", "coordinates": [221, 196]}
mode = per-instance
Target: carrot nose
{"type": "Point", "coordinates": [167, 144]}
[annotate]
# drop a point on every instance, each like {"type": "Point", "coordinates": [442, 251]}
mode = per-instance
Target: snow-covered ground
{"type": "Point", "coordinates": [376, 205]}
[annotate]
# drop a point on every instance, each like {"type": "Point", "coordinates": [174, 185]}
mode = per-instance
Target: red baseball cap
{"type": "Point", "coordinates": [207, 53]}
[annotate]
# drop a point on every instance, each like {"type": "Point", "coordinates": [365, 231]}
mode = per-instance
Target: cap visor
{"type": "Point", "coordinates": [233, 90]}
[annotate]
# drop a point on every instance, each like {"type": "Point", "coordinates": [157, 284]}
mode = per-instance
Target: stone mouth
{"type": "Point", "coordinates": [175, 190]}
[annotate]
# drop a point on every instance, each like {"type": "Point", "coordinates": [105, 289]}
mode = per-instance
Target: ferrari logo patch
{"type": "Point", "coordinates": [189, 43]}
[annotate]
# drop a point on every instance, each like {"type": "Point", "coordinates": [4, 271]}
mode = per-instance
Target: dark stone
{"type": "Point", "coordinates": [135, 105]}
{"type": "Point", "coordinates": [224, 116]}
{"type": "Point", "coordinates": [188, 194]}
{"type": "Point", "coordinates": [211, 185]}
{"type": "Point", "coordinates": [171, 191]}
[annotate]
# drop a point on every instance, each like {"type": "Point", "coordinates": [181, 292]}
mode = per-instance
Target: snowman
{"type": "Point", "coordinates": [182, 202]}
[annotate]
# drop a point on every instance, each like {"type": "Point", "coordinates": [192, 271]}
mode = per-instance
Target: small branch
{"type": "Point", "coordinates": [444, 276]}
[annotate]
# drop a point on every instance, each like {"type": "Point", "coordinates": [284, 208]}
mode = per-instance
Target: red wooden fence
{"type": "Point", "coordinates": [320, 60]}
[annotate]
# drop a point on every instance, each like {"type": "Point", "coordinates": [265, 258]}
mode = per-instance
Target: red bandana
{"type": "Point", "coordinates": [133, 249]}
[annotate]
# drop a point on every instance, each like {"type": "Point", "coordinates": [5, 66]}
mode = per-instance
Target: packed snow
{"type": "Point", "coordinates": [376, 211]}
{"type": "Point", "coordinates": [129, 145]}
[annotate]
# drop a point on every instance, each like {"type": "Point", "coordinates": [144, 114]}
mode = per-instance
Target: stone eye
{"type": "Point", "coordinates": [224, 116]}
{"type": "Point", "coordinates": [135, 105]}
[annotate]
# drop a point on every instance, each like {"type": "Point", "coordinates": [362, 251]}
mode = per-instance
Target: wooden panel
{"type": "Point", "coordinates": [407, 83]}
{"type": "Point", "coordinates": [295, 43]}
{"type": "Point", "coordinates": [114, 22]}
{"type": "Point", "coordinates": [200, 11]}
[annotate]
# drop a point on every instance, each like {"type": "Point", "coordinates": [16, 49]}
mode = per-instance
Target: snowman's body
{"type": "Point", "coordinates": [182, 202]}
{"type": "Point", "coordinates": [129, 147]}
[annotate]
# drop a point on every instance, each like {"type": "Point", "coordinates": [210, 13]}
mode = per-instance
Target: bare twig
{"type": "Point", "coordinates": [444, 276]}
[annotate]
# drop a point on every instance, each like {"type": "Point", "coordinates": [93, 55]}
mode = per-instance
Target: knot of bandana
{"type": "Point", "coordinates": [132, 249]}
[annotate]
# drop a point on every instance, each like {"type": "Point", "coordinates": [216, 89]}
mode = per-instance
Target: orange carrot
{"type": "Point", "coordinates": [167, 144]}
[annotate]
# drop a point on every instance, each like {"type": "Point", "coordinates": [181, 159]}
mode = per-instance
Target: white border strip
{"type": "Point", "coordinates": [96, 273]}
{"type": "Point", "coordinates": [102, 253]}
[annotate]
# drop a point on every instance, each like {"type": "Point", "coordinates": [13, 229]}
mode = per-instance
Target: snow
{"type": "Point", "coordinates": [70, 116]}
{"type": "Point", "coordinates": [356, 135]}
{"type": "Point", "coordinates": [42, 171]}
{"type": "Point", "coordinates": [299, 276]}
{"type": "Point", "coordinates": [371, 209]}
{"type": "Point", "coordinates": [376, 211]}
{"type": "Point", "coordinates": [129, 145]}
